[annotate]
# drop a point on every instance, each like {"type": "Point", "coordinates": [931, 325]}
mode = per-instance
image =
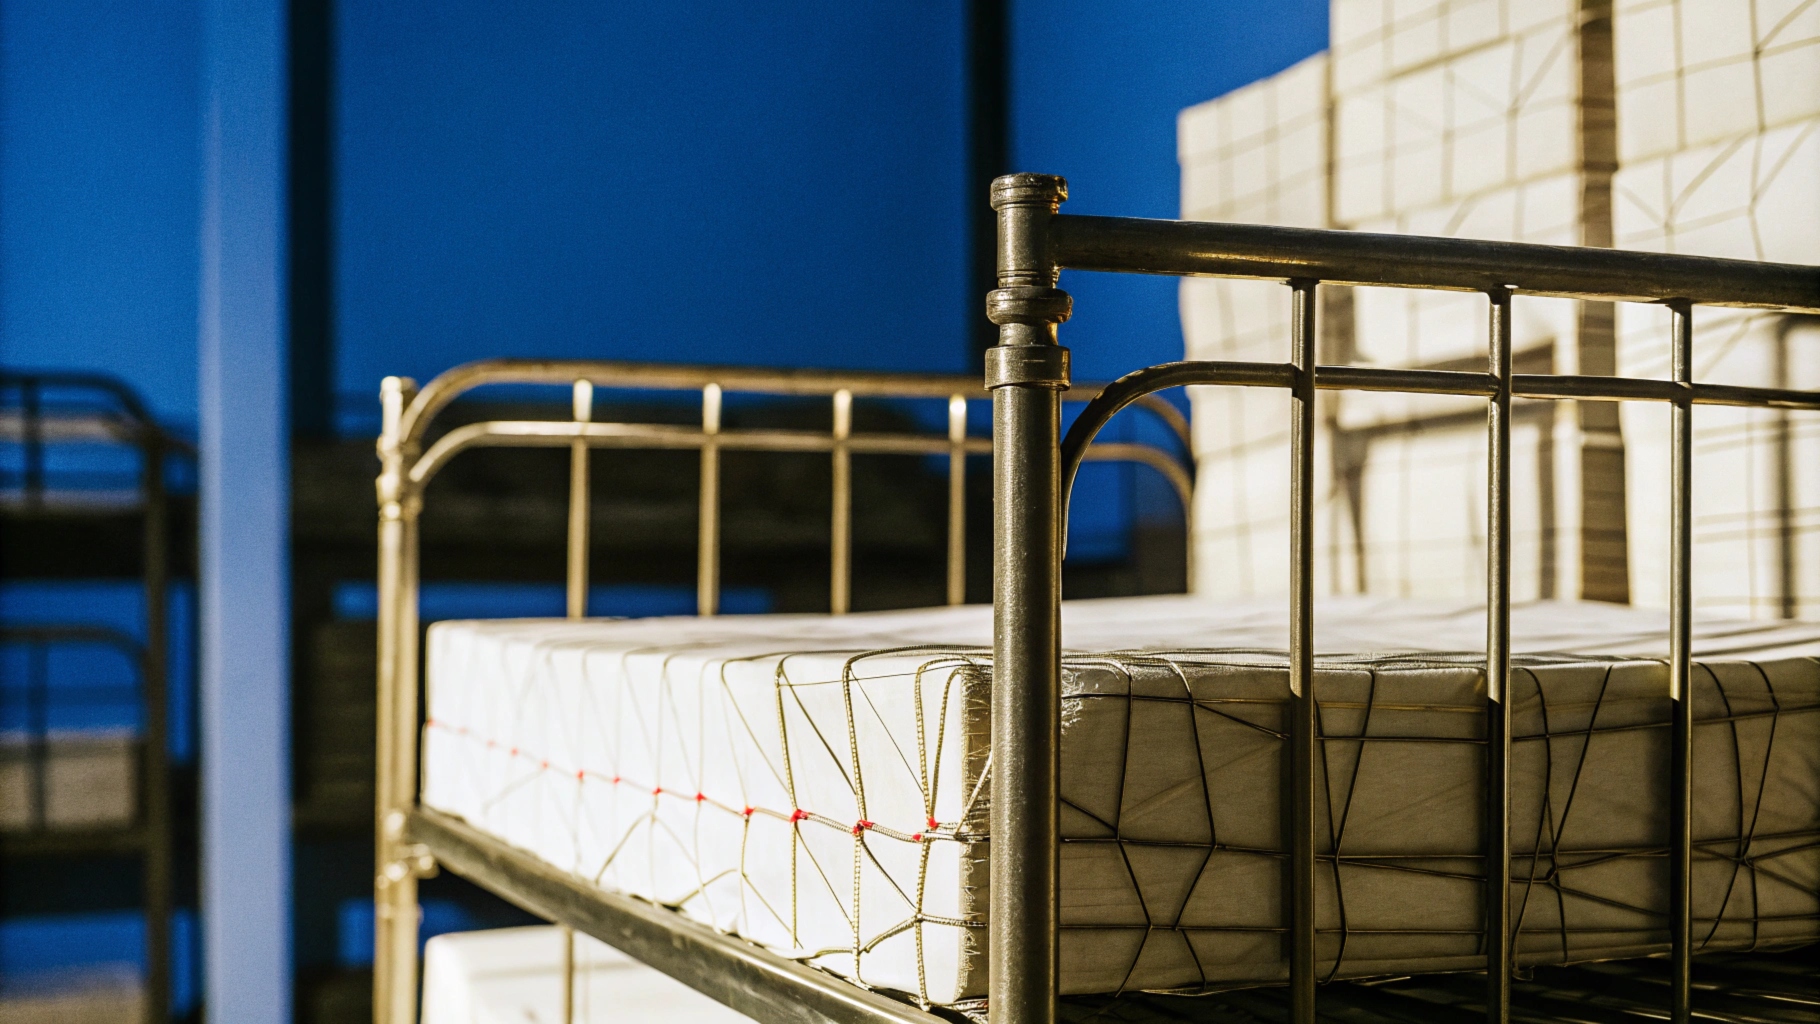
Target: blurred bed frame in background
{"type": "Point", "coordinates": [1027, 377]}
{"type": "Point", "coordinates": [46, 412]}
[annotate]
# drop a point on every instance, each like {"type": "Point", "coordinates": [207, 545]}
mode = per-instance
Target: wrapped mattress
{"type": "Point", "coordinates": [820, 785]}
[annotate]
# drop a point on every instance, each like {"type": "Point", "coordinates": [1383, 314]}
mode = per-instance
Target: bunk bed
{"type": "Point", "coordinates": [943, 813]}
{"type": "Point", "coordinates": [85, 494]}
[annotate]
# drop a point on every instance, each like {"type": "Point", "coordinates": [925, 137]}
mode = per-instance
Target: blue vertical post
{"type": "Point", "coordinates": [246, 842]}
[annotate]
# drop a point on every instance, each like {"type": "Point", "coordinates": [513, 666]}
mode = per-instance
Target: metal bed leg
{"type": "Point", "coordinates": [1026, 373]}
{"type": "Point", "coordinates": [1680, 681]}
{"type": "Point", "coordinates": [1303, 711]}
{"type": "Point", "coordinates": [398, 865]}
{"type": "Point", "coordinates": [1498, 947]}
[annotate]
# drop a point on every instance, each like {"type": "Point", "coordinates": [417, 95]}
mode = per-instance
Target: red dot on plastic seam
{"type": "Point", "coordinates": [699, 797]}
{"type": "Point", "coordinates": [616, 780]}
{"type": "Point", "coordinates": [657, 791]}
{"type": "Point", "coordinates": [581, 775]}
{"type": "Point", "coordinates": [543, 764]}
{"type": "Point", "coordinates": [861, 826]}
{"type": "Point", "coordinates": [934, 824]}
{"type": "Point", "coordinates": [514, 751]}
{"type": "Point", "coordinates": [748, 812]}
{"type": "Point", "coordinates": [916, 837]}
{"type": "Point", "coordinates": [798, 814]}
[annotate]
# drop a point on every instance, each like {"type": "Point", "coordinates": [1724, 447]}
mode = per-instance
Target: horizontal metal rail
{"type": "Point", "coordinates": [562, 433]}
{"type": "Point", "coordinates": [417, 414]}
{"type": "Point", "coordinates": [1183, 248]}
{"type": "Point", "coordinates": [746, 977]}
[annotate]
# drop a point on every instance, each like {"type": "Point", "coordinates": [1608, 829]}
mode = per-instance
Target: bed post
{"type": "Point", "coordinates": [398, 864]}
{"type": "Point", "coordinates": [1026, 374]}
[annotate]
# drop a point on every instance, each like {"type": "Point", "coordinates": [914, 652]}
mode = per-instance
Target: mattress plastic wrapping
{"type": "Point", "coordinates": [821, 785]}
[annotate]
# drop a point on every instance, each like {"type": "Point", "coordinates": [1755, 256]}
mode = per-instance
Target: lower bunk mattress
{"type": "Point", "coordinates": [821, 785]}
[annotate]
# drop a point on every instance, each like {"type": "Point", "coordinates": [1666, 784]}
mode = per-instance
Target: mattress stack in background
{"type": "Point", "coordinates": [1719, 142]}
{"type": "Point", "coordinates": [1509, 120]}
{"type": "Point", "coordinates": [1255, 156]}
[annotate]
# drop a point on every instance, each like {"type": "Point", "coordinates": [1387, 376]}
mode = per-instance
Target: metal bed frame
{"type": "Point", "coordinates": [122, 419]}
{"type": "Point", "coordinates": [1034, 466]}
{"type": "Point", "coordinates": [412, 840]}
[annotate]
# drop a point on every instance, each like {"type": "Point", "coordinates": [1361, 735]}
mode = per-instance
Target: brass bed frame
{"type": "Point", "coordinates": [1034, 466]}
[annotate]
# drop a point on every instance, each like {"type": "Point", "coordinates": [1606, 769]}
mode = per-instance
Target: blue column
{"type": "Point", "coordinates": [246, 842]}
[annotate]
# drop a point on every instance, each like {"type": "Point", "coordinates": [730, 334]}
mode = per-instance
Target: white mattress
{"type": "Point", "coordinates": [514, 976]}
{"type": "Point", "coordinates": [818, 785]}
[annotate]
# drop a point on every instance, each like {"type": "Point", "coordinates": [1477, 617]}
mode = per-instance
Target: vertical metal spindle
{"type": "Point", "coordinates": [579, 508]}
{"type": "Point", "coordinates": [579, 505]}
{"type": "Point", "coordinates": [38, 730]}
{"type": "Point", "coordinates": [1498, 951]}
{"type": "Point", "coordinates": [957, 500]}
{"type": "Point", "coordinates": [1301, 659]}
{"type": "Point", "coordinates": [707, 544]}
{"type": "Point", "coordinates": [31, 426]}
{"type": "Point", "coordinates": [568, 974]}
{"type": "Point", "coordinates": [159, 884]}
{"type": "Point", "coordinates": [840, 562]}
{"type": "Point", "coordinates": [1680, 667]}
{"type": "Point", "coordinates": [1026, 373]}
{"type": "Point", "coordinates": [395, 882]}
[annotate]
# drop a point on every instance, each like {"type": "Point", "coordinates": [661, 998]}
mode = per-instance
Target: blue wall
{"type": "Point", "coordinates": [542, 181]}
{"type": "Point", "coordinates": [1095, 88]}
{"type": "Point", "coordinates": [99, 137]}
{"type": "Point", "coordinates": [691, 181]}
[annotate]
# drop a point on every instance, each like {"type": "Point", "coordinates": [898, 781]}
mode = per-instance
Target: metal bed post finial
{"type": "Point", "coordinates": [1026, 372]}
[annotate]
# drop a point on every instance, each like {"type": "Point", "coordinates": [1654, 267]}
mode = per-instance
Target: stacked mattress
{"type": "Point", "coordinates": [820, 785]}
{"type": "Point", "coordinates": [515, 976]}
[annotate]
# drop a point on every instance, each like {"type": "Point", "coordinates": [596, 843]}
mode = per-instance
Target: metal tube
{"type": "Point", "coordinates": [707, 544]}
{"type": "Point", "coordinates": [957, 500]}
{"type": "Point", "coordinates": [1498, 950]}
{"type": "Point", "coordinates": [1680, 666]}
{"type": "Point", "coordinates": [1302, 746]}
{"type": "Point", "coordinates": [1268, 252]}
{"type": "Point", "coordinates": [568, 973]}
{"type": "Point", "coordinates": [394, 882]}
{"type": "Point", "coordinates": [579, 506]}
{"type": "Point", "coordinates": [577, 586]}
{"type": "Point", "coordinates": [840, 561]}
{"type": "Point", "coordinates": [155, 677]}
{"type": "Point", "coordinates": [1025, 372]}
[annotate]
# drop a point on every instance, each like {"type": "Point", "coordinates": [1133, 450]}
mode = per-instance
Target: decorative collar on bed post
{"type": "Point", "coordinates": [1026, 372]}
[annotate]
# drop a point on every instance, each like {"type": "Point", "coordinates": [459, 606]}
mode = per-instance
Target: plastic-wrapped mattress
{"type": "Point", "coordinates": [820, 785]}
